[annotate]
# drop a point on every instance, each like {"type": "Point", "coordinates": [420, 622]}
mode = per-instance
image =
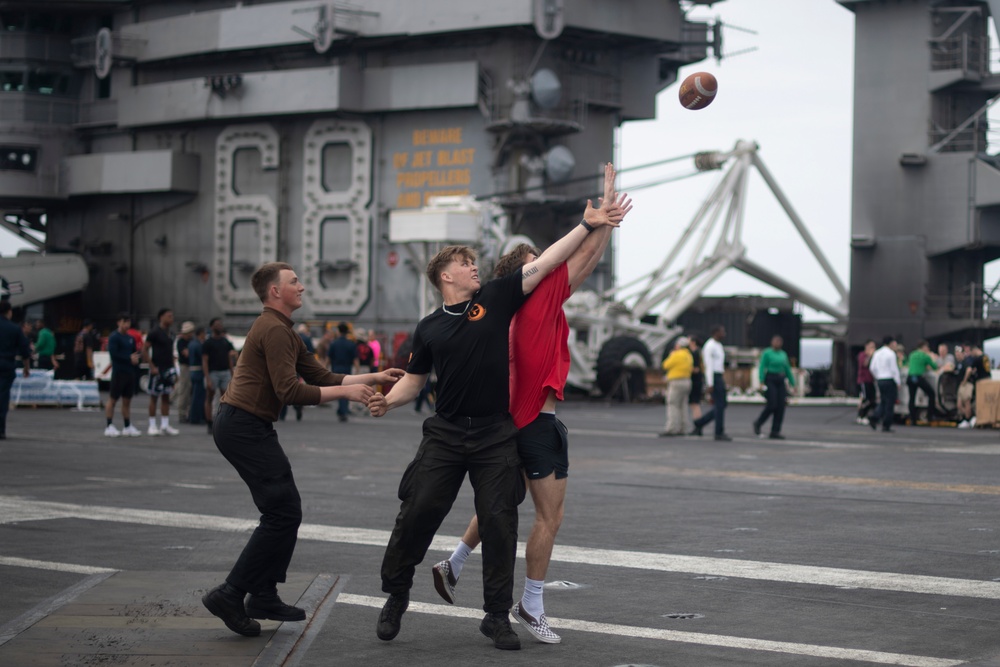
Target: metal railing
{"type": "Point", "coordinates": [962, 52]}
{"type": "Point", "coordinates": [972, 304]}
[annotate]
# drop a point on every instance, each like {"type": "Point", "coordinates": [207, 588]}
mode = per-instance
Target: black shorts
{"type": "Point", "coordinates": [697, 390]}
{"type": "Point", "coordinates": [543, 447]}
{"type": "Point", "coordinates": [122, 385]}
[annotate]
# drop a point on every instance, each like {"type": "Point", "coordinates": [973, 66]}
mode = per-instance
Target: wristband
{"type": "Point", "coordinates": [586, 225]}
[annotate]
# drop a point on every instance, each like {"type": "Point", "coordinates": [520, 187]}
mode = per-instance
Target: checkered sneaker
{"type": "Point", "coordinates": [444, 582]}
{"type": "Point", "coordinates": [539, 627]}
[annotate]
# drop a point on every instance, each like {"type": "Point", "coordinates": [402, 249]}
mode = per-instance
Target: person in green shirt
{"type": "Point", "coordinates": [774, 369]}
{"type": "Point", "coordinates": [45, 347]}
{"type": "Point", "coordinates": [917, 364]}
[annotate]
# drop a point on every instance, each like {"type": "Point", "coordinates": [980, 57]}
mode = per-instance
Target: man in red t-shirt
{"type": "Point", "coordinates": [539, 365]}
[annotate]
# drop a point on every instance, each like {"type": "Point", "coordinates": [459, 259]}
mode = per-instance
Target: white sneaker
{"type": "Point", "coordinates": [111, 431]}
{"type": "Point", "coordinates": [972, 422]}
{"type": "Point", "coordinates": [153, 431]}
{"type": "Point", "coordinates": [131, 431]}
{"type": "Point", "coordinates": [964, 424]}
{"type": "Point", "coordinates": [169, 430]}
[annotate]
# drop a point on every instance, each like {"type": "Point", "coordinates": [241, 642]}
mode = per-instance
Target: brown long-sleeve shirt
{"type": "Point", "coordinates": [266, 374]}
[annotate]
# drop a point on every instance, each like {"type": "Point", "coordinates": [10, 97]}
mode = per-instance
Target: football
{"type": "Point", "coordinates": [698, 90]}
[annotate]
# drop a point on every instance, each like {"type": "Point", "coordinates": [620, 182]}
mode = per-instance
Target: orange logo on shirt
{"type": "Point", "coordinates": [476, 313]}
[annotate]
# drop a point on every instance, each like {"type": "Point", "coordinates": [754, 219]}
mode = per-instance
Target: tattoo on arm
{"type": "Point", "coordinates": [530, 271]}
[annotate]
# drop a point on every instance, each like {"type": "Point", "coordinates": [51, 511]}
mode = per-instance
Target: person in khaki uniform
{"type": "Point", "coordinates": [678, 367]}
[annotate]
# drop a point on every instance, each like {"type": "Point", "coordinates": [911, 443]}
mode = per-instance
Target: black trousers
{"type": "Point", "coordinates": [887, 392]}
{"type": "Point", "coordinates": [251, 445]}
{"type": "Point", "coordinates": [868, 399]}
{"type": "Point", "coordinates": [920, 382]}
{"type": "Point", "coordinates": [718, 409]}
{"type": "Point", "coordinates": [6, 382]}
{"type": "Point", "coordinates": [429, 487]}
{"type": "Point", "coordinates": [776, 397]}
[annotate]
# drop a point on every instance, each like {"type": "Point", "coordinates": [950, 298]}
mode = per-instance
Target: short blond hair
{"type": "Point", "coordinates": [446, 257]}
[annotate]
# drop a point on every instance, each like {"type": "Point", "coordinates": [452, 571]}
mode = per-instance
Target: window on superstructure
{"type": "Point", "coordinates": [12, 81]}
{"type": "Point", "coordinates": [48, 83]}
{"type": "Point", "coordinates": [12, 21]}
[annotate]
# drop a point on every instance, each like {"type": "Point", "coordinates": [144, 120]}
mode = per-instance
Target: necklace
{"type": "Point", "coordinates": [448, 312]}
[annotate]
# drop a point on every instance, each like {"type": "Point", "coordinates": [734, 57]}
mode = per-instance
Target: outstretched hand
{"type": "Point", "coordinates": [389, 376]}
{"type": "Point", "coordinates": [598, 217]}
{"type": "Point", "coordinates": [359, 393]}
{"type": "Point", "coordinates": [619, 208]}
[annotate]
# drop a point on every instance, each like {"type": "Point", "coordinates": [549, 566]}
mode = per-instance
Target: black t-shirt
{"type": "Point", "coordinates": [975, 362]}
{"type": "Point", "coordinates": [182, 345]}
{"type": "Point", "coordinates": [217, 351]}
{"type": "Point", "coordinates": [469, 352]}
{"type": "Point", "coordinates": [696, 356]}
{"type": "Point", "coordinates": [162, 352]}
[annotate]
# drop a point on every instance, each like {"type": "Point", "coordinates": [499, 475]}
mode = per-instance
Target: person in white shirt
{"type": "Point", "coordinates": [715, 365]}
{"type": "Point", "coordinates": [884, 367]}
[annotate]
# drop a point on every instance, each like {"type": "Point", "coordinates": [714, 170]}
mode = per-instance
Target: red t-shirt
{"type": "Point", "coordinates": [137, 337]}
{"type": "Point", "coordinates": [539, 347]}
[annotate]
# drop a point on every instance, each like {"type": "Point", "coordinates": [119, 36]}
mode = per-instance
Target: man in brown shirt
{"type": "Point", "coordinates": [265, 379]}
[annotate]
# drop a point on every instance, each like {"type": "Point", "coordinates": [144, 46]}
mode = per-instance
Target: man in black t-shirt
{"type": "Point", "coordinates": [465, 343]}
{"type": "Point", "coordinates": [218, 359]}
{"type": "Point", "coordinates": [159, 354]}
{"type": "Point", "coordinates": [974, 367]}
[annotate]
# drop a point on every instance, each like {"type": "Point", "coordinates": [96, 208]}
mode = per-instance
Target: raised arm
{"type": "Point", "coordinates": [583, 262]}
{"type": "Point", "coordinates": [594, 219]}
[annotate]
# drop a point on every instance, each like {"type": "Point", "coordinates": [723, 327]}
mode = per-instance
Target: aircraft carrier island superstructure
{"type": "Point", "coordinates": [178, 145]}
{"type": "Point", "coordinates": [926, 193]}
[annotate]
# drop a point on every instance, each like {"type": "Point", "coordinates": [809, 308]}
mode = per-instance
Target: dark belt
{"type": "Point", "coordinates": [475, 422]}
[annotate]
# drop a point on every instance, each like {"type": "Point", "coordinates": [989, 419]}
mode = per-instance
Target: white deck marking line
{"type": "Point", "coordinates": [14, 509]}
{"type": "Point", "coordinates": [982, 489]}
{"type": "Point", "coordinates": [911, 445]}
{"type": "Point", "coordinates": [705, 639]}
{"type": "Point", "coordinates": [646, 435]}
{"type": "Point", "coordinates": [10, 561]}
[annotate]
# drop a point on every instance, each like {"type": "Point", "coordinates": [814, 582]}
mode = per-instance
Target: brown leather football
{"type": "Point", "coordinates": [698, 90]}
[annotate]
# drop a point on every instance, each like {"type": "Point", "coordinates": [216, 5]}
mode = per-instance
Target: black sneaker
{"type": "Point", "coordinates": [776, 436]}
{"type": "Point", "coordinates": [722, 437]}
{"type": "Point", "coordinates": [496, 626]}
{"type": "Point", "coordinates": [269, 606]}
{"type": "Point", "coordinates": [230, 610]}
{"type": "Point", "coordinates": [696, 431]}
{"type": "Point", "coordinates": [389, 617]}
{"type": "Point", "coordinates": [872, 423]}
{"type": "Point", "coordinates": [756, 428]}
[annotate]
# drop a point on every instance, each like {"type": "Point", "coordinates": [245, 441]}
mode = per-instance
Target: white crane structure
{"type": "Point", "coordinates": [620, 332]}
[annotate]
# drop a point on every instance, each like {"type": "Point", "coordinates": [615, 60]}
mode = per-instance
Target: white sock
{"type": "Point", "coordinates": [164, 422]}
{"type": "Point", "coordinates": [458, 558]}
{"type": "Point", "coordinates": [152, 422]}
{"type": "Point", "coordinates": [531, 601]}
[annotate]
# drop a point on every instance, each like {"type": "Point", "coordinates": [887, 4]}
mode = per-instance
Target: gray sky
{"type": "Point", "coordinates": [794, 97]}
